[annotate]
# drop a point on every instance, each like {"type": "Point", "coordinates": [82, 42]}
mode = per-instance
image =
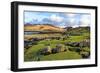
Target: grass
{"type": "Point", "coordinates": [41, 35]}
{"type": "Point", "coordinates": [62, 56]}
{"type": "Point", "coordinates": [30, 53]}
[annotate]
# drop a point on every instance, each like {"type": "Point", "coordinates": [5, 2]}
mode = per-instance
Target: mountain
{"type": "Point", "coordinates": [42, 27]}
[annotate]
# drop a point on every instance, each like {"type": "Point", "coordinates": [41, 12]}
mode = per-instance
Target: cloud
{"type": "Point", "coordinates": [70, 15]}
{"type": "Point", "coordinates": [72, 20]}
{"type": "Point", "coordinates": [33, 17]}
{"type": "Point", "coordinates": [47, 21]}
{"type": "Point", "coordinates": [74, 26]}
{"type": "Point", "coordinates": [85, 20]}
{"type": "Point", "coordinates": [56, 18]}
{"type": "Point", "coordinates": [76, 20]}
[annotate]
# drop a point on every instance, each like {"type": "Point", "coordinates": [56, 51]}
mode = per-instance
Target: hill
{"type": "Point", "coordinates": [42, 27]}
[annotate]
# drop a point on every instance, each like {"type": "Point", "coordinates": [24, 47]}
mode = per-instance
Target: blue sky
{"type": "Point", "coordinates": [57, 18]}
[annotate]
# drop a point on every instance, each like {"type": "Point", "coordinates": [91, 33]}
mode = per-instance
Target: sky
{"type": "Point", "coordinates": [59, 19]}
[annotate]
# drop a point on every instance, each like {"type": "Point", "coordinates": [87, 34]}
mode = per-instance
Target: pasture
{"type": "Point", "coordinates": [73, 45]}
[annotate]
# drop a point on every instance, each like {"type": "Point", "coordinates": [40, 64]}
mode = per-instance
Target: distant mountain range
{"type": "Point", "coordinates": [51, 28]}
{"type": "Point", "coordinates": [42, 27]}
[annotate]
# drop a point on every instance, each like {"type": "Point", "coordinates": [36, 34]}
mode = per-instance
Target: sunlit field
{"type": "Point", "coordinates": [71, 45]}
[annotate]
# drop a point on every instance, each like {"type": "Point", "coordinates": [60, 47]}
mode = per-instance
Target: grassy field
{"type": "Point", "coordinates": [62, 56]}
{"type": "Point", "coordinates": [30, 54]}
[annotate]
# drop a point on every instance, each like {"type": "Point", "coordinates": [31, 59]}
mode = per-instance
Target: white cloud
{"type": "Point", "coordinates": [56, 18]}
{"type": "Point", "coordinates": [70, 15]}
{"type": "Point", "coordinates": [85, 20]}
{"type": "Point", "coordinates": [62, 25]}
{"type": "Point", "coordinates": [74, 26]}
{"type": "Point", "coordinates": [72, 20]}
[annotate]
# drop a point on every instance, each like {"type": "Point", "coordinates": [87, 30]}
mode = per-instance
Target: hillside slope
{"type": "Point", "coordinates": [43, 27]}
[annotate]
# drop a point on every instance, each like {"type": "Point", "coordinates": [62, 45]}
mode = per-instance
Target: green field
{"type": "Point", "coordinates": [30, 54]}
